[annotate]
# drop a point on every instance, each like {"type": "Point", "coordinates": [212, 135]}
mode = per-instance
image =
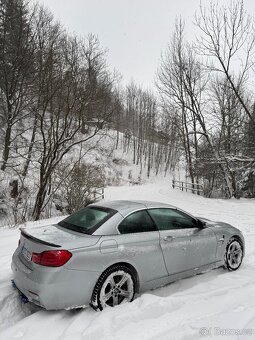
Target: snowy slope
{"type": "Point", "coordinates": [204, 305]}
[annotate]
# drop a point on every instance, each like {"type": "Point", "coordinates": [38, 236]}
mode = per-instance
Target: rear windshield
{"type": "Point", "coordinates": [87, 220]}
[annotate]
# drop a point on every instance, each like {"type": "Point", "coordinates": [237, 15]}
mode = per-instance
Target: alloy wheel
{"type": "Point", "coordinates": [118, 288]}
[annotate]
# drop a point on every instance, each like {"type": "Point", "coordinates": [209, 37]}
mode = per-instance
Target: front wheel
{"type": "Point", "coordinates": [234, 254]}
{"type": "Point", "coordinates": [114, 287]}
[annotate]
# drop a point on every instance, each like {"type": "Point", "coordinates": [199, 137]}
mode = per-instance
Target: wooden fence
{"type": "Point", "coordinates": [185, 186]}
{"type": "Point", "coordinates": [98, 194]}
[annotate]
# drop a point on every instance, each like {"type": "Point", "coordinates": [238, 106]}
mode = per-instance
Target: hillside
{"type": "Point", "coordinates": [97, 163]}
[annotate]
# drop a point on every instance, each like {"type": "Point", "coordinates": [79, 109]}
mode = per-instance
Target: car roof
{"type": "Point", "coordinates": [126, 206]}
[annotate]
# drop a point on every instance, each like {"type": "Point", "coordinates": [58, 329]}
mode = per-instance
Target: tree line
{"type": "Point", "coordinates": [206, 86]}
{"type": "Point", "coordinates": [57, 96]}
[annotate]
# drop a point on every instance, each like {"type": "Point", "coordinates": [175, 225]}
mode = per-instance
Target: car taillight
{"type": "Point", "coordinates": [52, 258]}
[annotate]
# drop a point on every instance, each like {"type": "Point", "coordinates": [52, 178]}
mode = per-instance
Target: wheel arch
{"type": "Point", "coordinates": [238, 238]}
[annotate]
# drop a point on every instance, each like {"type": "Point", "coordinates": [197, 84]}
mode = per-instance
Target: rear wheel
{"type": "Point", "coordinates": [114, 287]}
{"type": "Point", "coordinates": [234, 254]}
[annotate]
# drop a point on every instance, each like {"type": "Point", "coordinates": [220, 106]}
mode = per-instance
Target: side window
{"type": "Point", "coordinates": [138, 222]}
{"type": "Point", "coordinates": [167, 219]}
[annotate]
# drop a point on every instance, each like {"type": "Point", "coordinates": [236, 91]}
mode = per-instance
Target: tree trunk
{"type": "Point", "coordinates": [40, 197]}
{"type": "Point", "coordinates": [7, 144]}
{"type": "Point", "coordinates": [28, 160]}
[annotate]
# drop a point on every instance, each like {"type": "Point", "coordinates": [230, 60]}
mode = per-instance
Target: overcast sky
{"type": "Point", "coordinates": [135, 32]}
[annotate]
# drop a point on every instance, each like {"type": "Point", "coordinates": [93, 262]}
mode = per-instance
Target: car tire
{"type": "Point", "coordinates": [116, 285]}
{"type": "Point", "coordinates": [234, 254]}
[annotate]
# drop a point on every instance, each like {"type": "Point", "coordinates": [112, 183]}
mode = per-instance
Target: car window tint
{"type": "Point", "coordinates": [87, 219]}
{"type": "Point", "coordinates": [138, 222]}
{"type": "Point", "coordinates": [167, 219]}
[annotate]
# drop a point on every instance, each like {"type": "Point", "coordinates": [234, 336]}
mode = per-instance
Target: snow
{"type": "Point", "coordinates": [217, 304]}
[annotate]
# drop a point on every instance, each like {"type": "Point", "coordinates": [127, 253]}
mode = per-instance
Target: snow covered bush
{"type": "Point", "coordinates": [76, 187]}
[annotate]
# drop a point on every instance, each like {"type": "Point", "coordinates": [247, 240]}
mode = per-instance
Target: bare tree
{"type": "Point", "coordinates": [177, 83]}
{"type": "Point", "coordinates": [228, 37]}
{"type": "Point", "coordinates": [183, 83]}
{"type": "Point", "coordinates": [63, 100]}
{"type": "Point", "coordinates": [17, 50]}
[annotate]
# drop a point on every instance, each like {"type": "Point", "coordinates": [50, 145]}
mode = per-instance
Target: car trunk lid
{"type": "Point", "coordinates": [50, 237]}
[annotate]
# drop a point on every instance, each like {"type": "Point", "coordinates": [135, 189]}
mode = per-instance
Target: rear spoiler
{"type": "Point", "coordinates": [30, 237]}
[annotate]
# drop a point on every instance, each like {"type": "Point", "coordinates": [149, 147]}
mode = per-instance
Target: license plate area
{"type": "Point", "coordinates": [26, 253]}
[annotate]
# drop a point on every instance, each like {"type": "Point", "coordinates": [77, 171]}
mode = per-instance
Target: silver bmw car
{"type": "Point", "coordinates": [105, 253]}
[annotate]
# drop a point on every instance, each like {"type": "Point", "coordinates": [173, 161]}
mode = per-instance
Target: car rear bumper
{"type": "Point", "coordinates": [54, 288]}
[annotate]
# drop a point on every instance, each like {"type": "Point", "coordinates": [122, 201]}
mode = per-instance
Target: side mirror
{"type": "Point", "coordinates": [201, 224]}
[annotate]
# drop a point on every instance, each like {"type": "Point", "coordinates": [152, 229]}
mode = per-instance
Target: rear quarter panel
{"type": "Point", "coordinates": [143, 254]}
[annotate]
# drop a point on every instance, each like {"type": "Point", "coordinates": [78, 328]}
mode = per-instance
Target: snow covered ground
{"type": "Point", "coordinates": [218, 304]}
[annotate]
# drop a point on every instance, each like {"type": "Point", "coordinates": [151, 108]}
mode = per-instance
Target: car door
{"type": "Point", "coordinates": [139, 243]}
{"type": "Point", "coordinates": [185, 246]}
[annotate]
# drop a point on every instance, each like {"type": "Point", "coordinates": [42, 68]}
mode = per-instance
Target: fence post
{"type": "Point", "coordinates": [195, 188]}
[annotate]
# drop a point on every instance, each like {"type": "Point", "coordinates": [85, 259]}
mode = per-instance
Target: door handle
{"type": "Point", "coordinates": [168, 238]}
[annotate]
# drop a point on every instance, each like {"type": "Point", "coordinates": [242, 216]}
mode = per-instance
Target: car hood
{"type": "Point", "coordinates": [218, 224]}
{"type": "Point", "coordinates": [57, 236]}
